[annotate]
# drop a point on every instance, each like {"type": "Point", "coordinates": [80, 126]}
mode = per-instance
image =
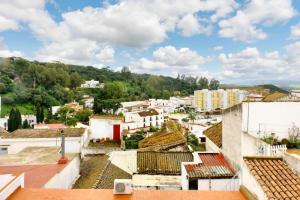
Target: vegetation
{"type": "Point", "coordinates": [26, 84]}
{"type": "Point", "coordinates": [193, 142]}
{"type": "Point", "coordinates": [14, 120]}
{"type": "Point", "coordinates": [132, 142]}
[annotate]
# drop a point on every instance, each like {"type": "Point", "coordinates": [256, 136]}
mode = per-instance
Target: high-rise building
{"type": "Point", "coordinates": [206, 100]}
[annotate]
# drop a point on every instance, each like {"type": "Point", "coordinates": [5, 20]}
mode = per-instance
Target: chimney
{"type": "Point", "coordinates": [63, 159]}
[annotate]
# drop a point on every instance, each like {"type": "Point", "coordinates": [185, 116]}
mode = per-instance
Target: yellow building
{"type": "Point", "coordinates": [206, 100]}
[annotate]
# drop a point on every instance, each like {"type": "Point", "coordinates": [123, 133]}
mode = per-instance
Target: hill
{"type": "Point", "coordinates": [26, 84]}
{"type": "Point", "coordinates": [263, 89]}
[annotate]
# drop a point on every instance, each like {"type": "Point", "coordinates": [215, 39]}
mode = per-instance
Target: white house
{"type": "Point", "coordinates": [210, 171]}
{"type": "Point", "coordinates": [30, 118]}
{"type": "Point", "coordinates": [12, 143]}
{"type": "Point", "coordinates": [106, 127]}
{"type": "Point", "coordinates": [133, 106]}
{"type": "Point", "coordinates": [264, 118]}
{"type": "Point", "coordinates": [143, 119]}
{"type": "Point", "coordinates": [88, 101]}
{"type": "Point", "coordinates": [92, 84]}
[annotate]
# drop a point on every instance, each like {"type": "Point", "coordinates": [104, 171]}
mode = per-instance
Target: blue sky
{"type": "Point", "coordinates": [250, 41]}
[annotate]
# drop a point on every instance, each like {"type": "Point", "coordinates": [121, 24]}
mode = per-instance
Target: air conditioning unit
{"type": "Point", "coordinates": [122, 186]}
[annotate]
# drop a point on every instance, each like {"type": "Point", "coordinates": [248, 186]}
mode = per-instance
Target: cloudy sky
{"type": "Point", "coordinates": [235, 41]}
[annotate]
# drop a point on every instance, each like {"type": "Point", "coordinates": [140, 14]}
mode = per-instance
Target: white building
{"type": "Point", "coordinates": [30, 118]}
{"type": "Point", "coordinates": [144, 119]}
{"type": "Point", "coordinates": [92, 84]}
{"type": "Point", "coordinates": [210, 171]}
{"type": "Point", "coordinates": [133, 106]}
{"type": "Point", "coordinates": [264, 118]}
{"type": "Point", "coordinates": [106, 127]}
{"type": "Point", "coordinates": [88, 101]}
{"type": "Point", "coordinates": [12, 143]}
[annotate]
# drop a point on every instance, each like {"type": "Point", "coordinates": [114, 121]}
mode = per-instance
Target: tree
{"type": "Point", "coordinates": [214, 84]}
{"type": "Point", "coordinates": [18, 119]}
{"type": "Point", "coordinates": [40, 114]}
{"type": "Point", "coordinates": [203, 83]}
{"type": "Point", "coordinates": [25, 124]}
{"type": "Point", "coordinates": [11, 122]}
{"type": "Point", "coordinates": [14, 120]}
{"type": "Point", "coordinates": [75, 80]}
{"type": "Point", "coordinates": [192, 116]}
{"type": "Point", "coordinates": [83, 115]}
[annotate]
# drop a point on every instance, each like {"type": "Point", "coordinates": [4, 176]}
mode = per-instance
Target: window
{"type": "Point", "coordinates": [193, 184]}
{"type": "Point", "coordinates": [202, 139]}
{"type": "Point", "coordinates": [3, 151]}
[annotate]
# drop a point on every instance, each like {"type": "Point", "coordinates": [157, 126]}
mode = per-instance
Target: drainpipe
{"type": "Point", "coordinates": [63, 159]}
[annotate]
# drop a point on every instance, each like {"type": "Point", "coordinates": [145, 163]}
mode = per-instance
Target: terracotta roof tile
{"type": "Point", "coordinates": [166, 163]}
{"type": "Point", "coordinates": [149, 112]}
{"type": "Point", "coordinates": [276, 179]}
{"type": "Point", "coordinates": [214, 133]}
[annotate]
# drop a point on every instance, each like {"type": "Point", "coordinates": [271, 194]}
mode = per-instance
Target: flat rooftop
{"type": "Point", "coordinates": [80, 194]}
{"type": "Point", "coordinates": [39, 165]}
{"type": "Point", "coordinates": [42, 133]}
{"type": "Point", "coordinates": [33, 156]}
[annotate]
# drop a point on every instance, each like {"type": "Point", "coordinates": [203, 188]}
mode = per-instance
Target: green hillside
{"type": "Point", "coordinates": [26, 84]}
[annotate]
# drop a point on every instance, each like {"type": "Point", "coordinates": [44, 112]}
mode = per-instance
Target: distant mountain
{"type": "Point", "coordinates": [271, 87]}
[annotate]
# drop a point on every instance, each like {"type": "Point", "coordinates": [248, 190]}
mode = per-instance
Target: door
{"type": "Point", "coordinates": [117, 131]}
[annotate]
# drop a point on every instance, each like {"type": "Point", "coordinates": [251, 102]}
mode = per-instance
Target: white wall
{"type": "Point", "coordinates": [217, 184]}
{"type": "Point", "coordinates": [293, 161]}
{"type": "Point", "coordinates": [210, 146]}
{"type": "Point", "coordinates": [67, 177]}
{"type": "Point", "coordinates": [16, 183]}
{"type": "Point", "coordinates": [184, 179]}
{"type": "Point", "coordinates": [232, 135]}
{"type": "Point", "coordinates": [102, 128]}
{"type": "Point", "coordinates": [15, 145]}
{"type": "Point", "coordinates": [269, 117]}
{"type": "Point", "coordinates": [251, 184]}
{"type": "Point", "coordinates": [125, 160]}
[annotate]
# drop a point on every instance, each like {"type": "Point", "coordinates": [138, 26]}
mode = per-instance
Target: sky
{"type": "Point", "coordinates": [235, 41]}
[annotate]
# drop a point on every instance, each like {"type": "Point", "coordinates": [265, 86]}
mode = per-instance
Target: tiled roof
{"type": "Point", "coordinates": [166, 163]}
{"type": "Point", "coordinates": [112, 117]}
{"type": "Point", "coordinates": [274, 96]}
{"type": "Point", "coordinates": [214, 133]}
{"type": "Point", "coordinates": [149, 112]}
{"type": "Point", "coordinates": [276, 179]}
{"type": "Point", "coordinates": [162, 141]}
{"type": "Point", "coordinates": [213, 166]}
{"type": "Point", "coordinates": [110, 173]}
{"type": "Point", "coordinates": [60, 194]}
{"type": "Point", "coordinates": [43, 133]}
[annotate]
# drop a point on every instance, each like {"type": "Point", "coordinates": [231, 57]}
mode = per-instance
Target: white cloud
{"type": "Point", "coordinates": [106, 54]}
{"type": "Point", "coordinates": [79, 51]}
{"type": "Point", "coordinates": [218, 48]}
{"type": "Point", "coordinates": [5, 52]}
{"type": "Point", "coordinates": [244, 25]}
{"type": "Point", "coordinates": [251, 64]}
{"type": "Point", "coordinates": [170, 61]}
{"type": "Point", "coordinates": [189, 25]}
{"type": "Point", "coordinates": [295, 31]}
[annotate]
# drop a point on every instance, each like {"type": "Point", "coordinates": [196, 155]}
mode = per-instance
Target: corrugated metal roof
{"type": "Point", "coordinates": [213, 166]}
